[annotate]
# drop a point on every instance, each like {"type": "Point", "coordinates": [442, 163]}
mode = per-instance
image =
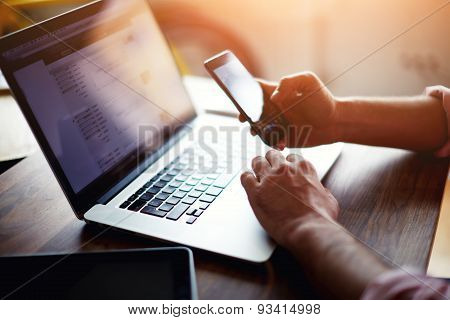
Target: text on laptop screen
{"type": "Point", "coordinates": [93, 84]}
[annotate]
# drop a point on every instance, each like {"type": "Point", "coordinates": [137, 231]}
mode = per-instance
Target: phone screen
{"type": "Point", "coordinates": [244, 89]}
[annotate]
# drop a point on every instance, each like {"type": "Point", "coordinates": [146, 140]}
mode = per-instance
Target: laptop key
{"type": "Point", "coordinates": [180, 166]}
{"type": "Point", "coordinates": [207, 182]}
{"type": "Point", "coordinates": [166, 178]}
{"type": "Point", "coordinates": [207, 198]}
{"type": "Point", "coordinates": [201, 187]}
{"type": "Point", "coordinates": [191, 211]}
{"type": "Point", "coordinates": [155, 203]}
{"type": "Point", "coordinates": [195, 194]}
{"type": "Point", "coordinates": [140, 191]}
{"type": "Point", "coordinates": [191, 220]}
{"type": "Point", "coordinates": [162, 196]}
{"type": "Point", "coordinates": [189, 200]}
{"type": "Point", "coordinates": [223, 180]}
{"type": "Point", "coordinates": [181, 178]}
{"type": "Point", "coordinates": [137, 205]}
{"type": "Point", "coordinates": [147, 196]}
{"type": "Point", "coordinates": [154, 212]}
{"type": "Point", "coordinates": [203, 205]}
{"type": "Point", "coordinates": [164, 171]}
{"type": "Point", "coordinates": [169, 190]}
{"type": "Point", "coordinates": [173, 172]}
{"type": "Point", "coordinates": [177, 212]}
{"type": "Point", "coordinates": [188, 172]}
{"type": "Point", "coordinates": [173, 200]}
{"type": "Point", "coordinates": [160, 184]}
{"type": "Point", "coordinates": [212, 176]}
{"type": "Point", "coordinates": [166, 207]}
{"type": "Point", "coordinates": [198, 213]}
{"type": "Point", "coordinates": [213, 191]}
{"type": "Point", "coordinates": [179, 194]}
{"type": "Point", "coordinates": [153, 190]}
{"type": "Point", "coordinates": [125, 204]}
{"type": "Point", "coordinates": [192, 182]}
{"type": "Point", "coordinates": [132, 197]}
{"type": "Point", "coordinates": [176, 184]}
{"type": "Point", "coordinates": [186, 188]}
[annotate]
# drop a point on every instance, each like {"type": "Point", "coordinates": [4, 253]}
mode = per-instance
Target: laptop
{"type": "Point", "coordinates": [102, 93]}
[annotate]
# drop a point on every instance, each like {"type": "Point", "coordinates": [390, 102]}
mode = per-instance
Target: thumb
{"type": "Point", "coordinates": [277, 96]}
{"type": "Point", "coordinates": [291, 88]}
{"type": "Point", "coordinates": [281, 94]}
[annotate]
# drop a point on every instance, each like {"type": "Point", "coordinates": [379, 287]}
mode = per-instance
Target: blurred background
{"type": "Point", "coordinates": [278, 37]}
{"type": "Point", "coordinates": [370, 47]}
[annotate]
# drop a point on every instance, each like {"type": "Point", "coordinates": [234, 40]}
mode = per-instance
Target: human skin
{"type": "Point", "coordinates": [296, 210]}
{"type": "Point", "coordinates": [415, 123]}
{"type": "Point", "coordinates": [288, 198]}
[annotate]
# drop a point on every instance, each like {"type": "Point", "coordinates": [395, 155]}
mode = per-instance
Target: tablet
{"type": "Point", "coordinates": [166, 273]}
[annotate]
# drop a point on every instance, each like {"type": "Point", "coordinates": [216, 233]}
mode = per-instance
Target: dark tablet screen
{"type": "Point", "coordinates": [137, 275]}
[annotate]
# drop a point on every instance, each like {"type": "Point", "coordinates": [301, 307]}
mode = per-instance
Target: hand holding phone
{"type": "Point", "coordinates": [249, 96]}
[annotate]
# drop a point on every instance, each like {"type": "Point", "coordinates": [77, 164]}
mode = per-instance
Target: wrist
{"type": "Point", "coordinates": [304, 230]}
{"type": "Point", "coordinates": [339, 121]}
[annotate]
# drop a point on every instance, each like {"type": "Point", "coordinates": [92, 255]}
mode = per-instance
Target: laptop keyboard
{"type": "Point", "coordinates": [181, 188]}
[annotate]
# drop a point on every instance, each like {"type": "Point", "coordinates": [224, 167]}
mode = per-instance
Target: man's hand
{"type": "Point", "coordinates": [308, 106]}
{"type": "Point", "coordinates": [286, 192]}
{"type": "Point", "coordinates": [297, 212]}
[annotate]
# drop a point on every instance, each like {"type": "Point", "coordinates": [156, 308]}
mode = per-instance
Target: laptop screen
{"type": "Point", "coordinates": [96, 83]}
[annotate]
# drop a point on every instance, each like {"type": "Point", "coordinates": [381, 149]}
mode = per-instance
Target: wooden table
{"type": "Point", "coordinates": [389, 198]}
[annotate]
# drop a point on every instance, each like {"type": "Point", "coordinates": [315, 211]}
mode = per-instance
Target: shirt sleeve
{"type": "Point", "coordinates": [403, 285]}
{"type": "Point", "coordinates": [443, 94]}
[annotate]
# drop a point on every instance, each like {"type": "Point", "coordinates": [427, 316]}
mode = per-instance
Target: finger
{"type": "Point", "coordinates": [291, 87]}
{"type": "Point", "coordinates": [294, 158]}
{"type": "Point", "coordinates": [249, 182]}
{"type": "Point", "coordinates": [260, 166]}
{"type": "Point", "coordinates": [253, 132]}
{"type": "Point", "coordinates": [283, 90]}
{"type": "Point", "coordinates": [278, 96]}
{"type": "Point", "coordinates": [307, 167]}
{"type": "Point", "coordinates": [275, 158]}
{"type": "Point", "coordinates": [242, 118]}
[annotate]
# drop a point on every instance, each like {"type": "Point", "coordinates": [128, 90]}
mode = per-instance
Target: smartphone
{"type": "Point", "coordinates": [248, 96]}
{"type": "Point", "coordinates": [144, 274]}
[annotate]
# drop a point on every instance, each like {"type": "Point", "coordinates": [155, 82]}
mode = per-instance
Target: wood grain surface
{"type": "Point", "coordinates": [389, 199]}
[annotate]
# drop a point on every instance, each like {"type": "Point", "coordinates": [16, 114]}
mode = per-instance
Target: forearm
{"type": "Point", "coordinates": [334, 259]}
{"type": "Point", "coordinates": [417, 123]}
